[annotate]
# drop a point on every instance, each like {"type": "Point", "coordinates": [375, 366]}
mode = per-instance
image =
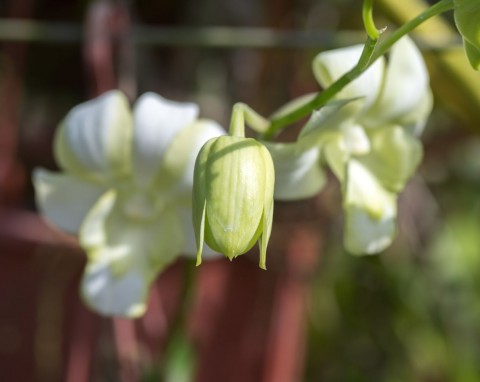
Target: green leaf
{"type": "Point", "coordinates": [467, 16]}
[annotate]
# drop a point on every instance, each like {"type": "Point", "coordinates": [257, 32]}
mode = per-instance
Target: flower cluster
{"type": "Point", "coordinates": [127, 177]}
{"type": "Point", "coordinates": [368, 137]}
{"type": "Point", "coordinates": [125, 189]}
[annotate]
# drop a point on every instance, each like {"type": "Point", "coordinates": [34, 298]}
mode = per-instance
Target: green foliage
{"type": "Point", "coordinates": [412, 314]}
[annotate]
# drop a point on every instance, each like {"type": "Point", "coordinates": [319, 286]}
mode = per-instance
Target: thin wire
{"type": "Point", "coordinates": [207, 37]}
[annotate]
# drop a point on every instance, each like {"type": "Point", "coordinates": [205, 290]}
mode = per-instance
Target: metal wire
{"type": "Point", "coordinates": [208, 37]}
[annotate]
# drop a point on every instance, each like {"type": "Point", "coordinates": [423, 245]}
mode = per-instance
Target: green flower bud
{"type": "Point", "coordinates": [233, 195]}
{"type": "Point", "coordinates": [467, 19]}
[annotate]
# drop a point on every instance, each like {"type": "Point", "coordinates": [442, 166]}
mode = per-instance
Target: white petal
{"type": "Point", "coordinates": [365, 235]}
{"type": "Point", "coordinates": [157, 121]}
{"type": "Point", "coordinates": [406, 85]}
{"type": "Point", "coordinates": [111, 295]}
{"type": "Point", "coordinates": [363, 190]}
{"type": "Point", "coordinates": [190, 245]}
{"type": "Point", "coordinates": [394, 156]}
{"type": "Point", "coordinates": [336, 155]}
{"type": "Point", "coordinates": [355, 140]}
{"type": "Point", "coordinates": [124, 251]}
{"type": "Point", "coordinates": [94, 140]}
{"type": "Point", "coordinates": [176, 171]}
{"type": "Point", "coordinates": [327, 123]}
{"type": "Point", "coordinates": [63, 199]}
{"type": "Point", "coordinates": [370, 211]}
{"type": "Point", "coordinates": [110, 229]}
{"type": "Point", "coordinates": [297, 174]}
{"type": "Point", "coordinates": [415, 120]}
{"type": "Point", "coordinates": [331, 65]}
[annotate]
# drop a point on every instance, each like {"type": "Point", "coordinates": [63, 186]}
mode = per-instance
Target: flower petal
{"type": "Point", "coordinates": [157, 121]}
{"type": "Point", "coordinates": [124, 251]}
{"type": "Point", "coordinates": [327, 122]}
{"type": "Point", "coordinates": [111, 295]}
{"type": "Point", "coordinates": [405, 85]}
{"type": "Point", "coordinates": [415, 120]}
{"type": "Point", "coordinates": [297, 175]}
{"type": "Point", "coordinates": [94, 140]}
{"type": "Point", "coordinates": [365, 235]}
{"type": "Point", "coordinates": [394, 157]}
{"type": "Point", "coordinates": [331, 65]}
{"type": "Point", "coordinates": [175, 173]}
{"type": "Point", "coordinates": [355, 139]}
{"type": "Point", "coordinates": [370, 211]}
{"type": "Point", "coordinates": [63, 199]}
{"type": "Point", "coordinates": [336, 155]}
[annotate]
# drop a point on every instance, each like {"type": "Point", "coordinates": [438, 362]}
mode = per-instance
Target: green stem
{"type": "Point", "coordinates": [237, 122]}
{"type": "Point", "coordinates": [254, 120]}
{"type": "Point", "coordinates": [179, 323]}
{"type": "Point", "coordinates": [243, 114]}
{"type": "Point", "coordinates": [370, 54]}
{"type": "Point", "coordinates": [323, 97]}
{"type": "Point", "coordinates": [436, 9]}
{"type": "Point", "coordinates": [367, 15]}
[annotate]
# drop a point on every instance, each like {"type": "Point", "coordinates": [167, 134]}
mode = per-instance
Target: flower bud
{"type": "Point", "coordinates": [233, 196]}
{"type": "Point", "coordinates": [467, 16]}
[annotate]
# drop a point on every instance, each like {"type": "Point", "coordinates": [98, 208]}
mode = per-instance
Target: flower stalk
{"type": "Point", "coordinates": [372, 51]}
{"type": "Point", "coordinates": [367, 15]}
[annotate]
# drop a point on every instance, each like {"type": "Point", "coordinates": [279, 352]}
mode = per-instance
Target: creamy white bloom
{"type": "Point", "coordinates": [125, 190]}
{"type": "Point", "coordinates": [368, 137]}
{"type": "Point", "coordinates": [297, 173]}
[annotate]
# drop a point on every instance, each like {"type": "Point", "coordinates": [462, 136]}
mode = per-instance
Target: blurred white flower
{"type": "Point", "coordinates": [125, 190]}
{"type": "Point", "coordinates": [298, 174]}
{"type": "Point", "coordinates": [368, 137]}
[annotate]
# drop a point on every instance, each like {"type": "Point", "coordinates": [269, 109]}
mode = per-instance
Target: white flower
{"type": "Point", "coordinates": [297, 173]}
{"type": "Point", "coordinates": [368, 137]}
{"type": "Point", "coordinates": [125, 190]}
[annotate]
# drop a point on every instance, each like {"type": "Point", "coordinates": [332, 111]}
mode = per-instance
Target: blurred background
{"type": "Point", "coordinates": [319, 314]}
